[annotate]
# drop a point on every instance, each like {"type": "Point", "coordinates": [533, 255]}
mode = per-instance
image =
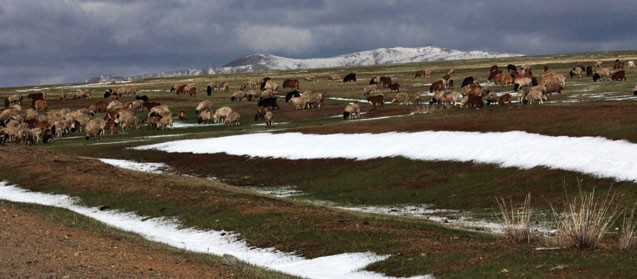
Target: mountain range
{"type": "Point", "coordinates": [380, 56]}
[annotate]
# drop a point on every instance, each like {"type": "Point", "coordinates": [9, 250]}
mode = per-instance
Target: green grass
{"type": "Point", "coordinates": [416, 246]}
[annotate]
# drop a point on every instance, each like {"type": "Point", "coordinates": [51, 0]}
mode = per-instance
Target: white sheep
{"type": "Point", "coordinates": [352, 111]}
{"type": "Point", "coordinates": [233, 118]}
{"type": "Point", "coordinates": [220, 114]}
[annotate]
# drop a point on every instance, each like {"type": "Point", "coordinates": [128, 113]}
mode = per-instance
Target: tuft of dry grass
{"type": "Point", "coordinates": [627, 236]}
{"type": "Point", "coordinates": [586, 220]}
{"type": "Point", "coordinates": [515, 220]}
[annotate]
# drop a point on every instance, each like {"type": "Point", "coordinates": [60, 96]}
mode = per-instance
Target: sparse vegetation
{"type": "Point", "coordinates": [586, 220]}
{"type": "Point", "coordinates": [516, 220]}
{"type": "Point", "coordinates": [417, 246]}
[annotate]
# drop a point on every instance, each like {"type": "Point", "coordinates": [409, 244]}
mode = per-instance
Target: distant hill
{"type": "Point", "coordinates": [380, 56]}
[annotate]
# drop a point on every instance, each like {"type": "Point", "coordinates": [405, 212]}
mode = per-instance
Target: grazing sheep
{"type": "Point", "coordinates": [311, 79]}
{"type": "Point", "coordinates": [299, 102]}
{"type": "Point", "coordinates": [127, 120]}
{"type": "Point", "coordinates": [401, 98]}
{"type": "Point", "coordinates": [417, 98]}
{"type": "Point", "coordinates": [618, 76]}
{"type": "Point", "coordinates": [82, 94]}
{"type": "Point", "coordinates": [422, 73]}
{"type": "Point", "coordinates": [271, 85]}
{"type": "Point", "coordinates": [161, 110]}
{"type": "Point", "coordinates": [520, 94]}
{"type": "Point", "coordinates": [268, 93]}
{"type": "Point", "coordinates": [450, 97]}
{"type": "Point", "coordinates": [631, 64]}
{"type": "Point", "coordinates": [40, 105]}
{"type": "Point", "coordinates": [205, 116]}
{"type": "Point", "coordinates": [95, 128]}
{"type": "Point", "coordinates": [114, 105]}
{"type": "Point", "coordinates": [268, 118]}
{"type": "Point", "coordinates": [598, 64]}
{"type": "Point", "coordinates": [291, 83]}
{"type": "Point", "coordinates": [492, 98]}
{"type": "Point", "coordinates": [577, 71]}
{"type": "Point", "coordinates": [504, 99]}
{"type": "Point", "coordinates": [370, 89]}
{"type": "Point", "coordinates": [535, 94]}
{"type": "Point", "coordinates": [291, 95]}
{"type": "Point", "coordinates": [522, 82]}
{"type": "Point", "coordinates": [268, 102]}
{"type": "Point", "coordinates": [376, 100]}
{"type": "Point", "coordinates": [165, 122]}
{"type": "Point", "coordinates": [234, 118]}
{"type": "Point", "coordinates": [204, 105]}
{"type": "Point", "coordinates": [438, 97]}
{"type": "Point", "coordinates": [14, 99]}
{"type": "Point", "coordinates": [603, 73]}
{"type": "Point", "coordinates": [352, 111]}
{"type": "Point", "coordinates": [394, 87]}
{"type": "Point", "coordinates": [551, 86]}
{"type": "Point", "coordinates": [334, 78]}
{"type": "Point", "coordinates": [181, 114]}
{"type": "Point", "coordinates": [238, 96]}
{"type": "Point", "coordinates": [220, 114]}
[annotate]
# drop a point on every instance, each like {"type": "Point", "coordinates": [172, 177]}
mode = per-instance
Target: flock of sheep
{"type": "Point", "coordinates": [37, 124]}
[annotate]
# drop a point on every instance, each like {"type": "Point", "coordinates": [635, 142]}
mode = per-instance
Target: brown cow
{"type": "Point", "coordinates": [385, 81]}
{"type": "Point", "coordinates": [291, 83]}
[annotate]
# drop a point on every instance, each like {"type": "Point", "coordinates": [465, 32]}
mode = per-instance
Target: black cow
{"type": "Point", "coordinates": [268, 102]}
{"type": "Point", "coordinates": [349, 77]}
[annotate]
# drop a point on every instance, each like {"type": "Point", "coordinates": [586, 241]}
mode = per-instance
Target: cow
{"type": "Point", "coordinates": [291, 83]}
{"type": "Point", "coordinates": [350, 77]}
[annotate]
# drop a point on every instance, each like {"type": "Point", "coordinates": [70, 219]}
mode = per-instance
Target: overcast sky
{"type": "Point", "coordinates": [54, 41]}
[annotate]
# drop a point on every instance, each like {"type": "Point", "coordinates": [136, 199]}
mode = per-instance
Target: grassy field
{"type": "Point", "coordinates": [310, 224]}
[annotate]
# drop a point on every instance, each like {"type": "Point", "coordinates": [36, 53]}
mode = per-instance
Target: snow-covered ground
{"type": "Point", "coordinates": [346, 265]}
{"type": "Point", "coordinates": [596, 156]}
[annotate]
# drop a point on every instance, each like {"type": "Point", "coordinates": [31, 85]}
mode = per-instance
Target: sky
{"type": "Point", "coordinates": [61, 41]}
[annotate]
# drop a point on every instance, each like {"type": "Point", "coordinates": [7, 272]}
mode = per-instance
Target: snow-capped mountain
{"type": "Point", "coordinates": [381, 56]}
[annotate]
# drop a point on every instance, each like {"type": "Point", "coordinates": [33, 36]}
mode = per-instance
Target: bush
{"type": "Point", "coordinates": [516, 220]}
{"type": "Point", "coordinates": [586, 220]}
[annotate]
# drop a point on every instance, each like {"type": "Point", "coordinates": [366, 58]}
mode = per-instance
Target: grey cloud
{"type": "Point", "coordinates": [75, 39]}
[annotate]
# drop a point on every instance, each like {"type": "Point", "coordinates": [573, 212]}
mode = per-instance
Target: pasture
{"type": "Point", "coordinates": [234, 192]}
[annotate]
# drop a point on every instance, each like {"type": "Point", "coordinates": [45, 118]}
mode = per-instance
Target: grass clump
{"type": "Point", "coordinates": [627, 235]}
{"type": "Point", "coordinates": [587, 218]}
{"type": "Point", "coordinates": [516, 221]}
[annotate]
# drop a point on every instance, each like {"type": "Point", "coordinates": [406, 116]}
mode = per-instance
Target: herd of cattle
{"type": "Point", "coordinates": [29, 124]}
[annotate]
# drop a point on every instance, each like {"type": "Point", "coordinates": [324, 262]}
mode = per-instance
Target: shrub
{"type": "Point", "coordinates": [627, 236]}
{"type": "Point", "coordinates": [586, 219]}
{"type": "Point", "coordinates": [515, 220]}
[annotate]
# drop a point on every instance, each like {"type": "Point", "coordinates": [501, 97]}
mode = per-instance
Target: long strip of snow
{"type": "Point", "coordinates": [347, 265]}
{"type": "Point", "coordinates": [596, 156]}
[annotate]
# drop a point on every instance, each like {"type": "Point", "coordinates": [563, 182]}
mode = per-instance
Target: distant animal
{"type": "Point", "coordinates": [504, 99]}
{"type": "Point", "coordinates": [577, 71]}
{"type": "Point", "coordinates": [512, 68]}
{"type": "Point", "coordinates": [352, 111]}
{"type": "Point", "coordinates": [376, 100]}
{"type": "Point", "coordinates": [264, 81]}
{"type": "Point", "coordinates": [589, 71]}
{"type": "Point", "coordinates": [385, 81]}
{"type": "Point", "coordinates": [142, 97]}
{"type": "Point", "coordinates": [351, 77]}
{"type": "Point", "coordinates": [291, 83]}
{"type": "Point", "coordinates": [618, 76]}
{"type": "Point", "coordinates": [492, 75]}
{"type": "Point", "coordinates": [631, 64]}
{"type": "Point", "coordinates": [475, 101]}
{"type": "Point", "coordinates": [618, 65]}
{"type": "Point", "coordinates": [34, 97]}
{"type": "Point", "coordinates": [40, 105]}
{"type": "Point", "coordinates": [150, 105]}
{"type": "Point", "coordinates": [394, 87]}
{"type": "Point", "coordinates": [422, 73]}
{"type": "Point", "coordinates": [401, 98]}
{"type": "Point", "coordinates": [291, 95]}
{"type": "Point", "coordinates": [268, 102]}
{"type": "Point", "coordinates": [467, 81]}
{"type": "Point", "coordinates": [598, 64]}
{"type": "Point", "coordinates": [181, 115]}
{"type": "Point", "coordinates": [437, 85]}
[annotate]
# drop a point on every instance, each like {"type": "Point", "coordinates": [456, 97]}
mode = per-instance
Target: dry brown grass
{"type": "Point", "coordinates": [627, 235]}
{"type": "Point", "coordinates": [586, 220]}
{"type": "Point", "coordinates": [516, 220]}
